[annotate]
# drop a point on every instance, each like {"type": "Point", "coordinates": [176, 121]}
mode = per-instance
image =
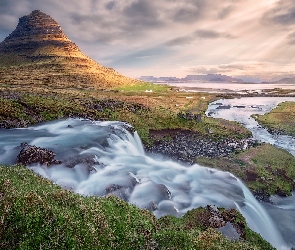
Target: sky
{"type": "Point", "coordinates": [174, 37]}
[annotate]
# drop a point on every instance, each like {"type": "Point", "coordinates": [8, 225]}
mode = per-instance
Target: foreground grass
{"type": "Point", "coordinates": [36, 214]}
{"type": "Point", "coordinates": [281, 119]}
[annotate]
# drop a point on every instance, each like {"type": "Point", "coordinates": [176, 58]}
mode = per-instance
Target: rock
{"type": "Point", "coordinates": [185, 146]}
{"type": "Point", "coordinates": [33, 154]}
{"type": "Point", "coordinates": [216, 219]}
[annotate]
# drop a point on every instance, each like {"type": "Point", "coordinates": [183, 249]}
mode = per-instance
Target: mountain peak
{"type": "Point", "coordinates": [40, 52]}
{"type": "Point", "coordinates": [35, 34]}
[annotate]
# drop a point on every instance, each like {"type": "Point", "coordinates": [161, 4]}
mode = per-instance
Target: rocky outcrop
{"type": "Point", "coordinates": [33, 154]}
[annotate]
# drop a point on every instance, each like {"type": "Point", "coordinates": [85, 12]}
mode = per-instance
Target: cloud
{"type": "Point", "coordinates": [144, 35]}
{"type": "Point", "coordinates": [283, 13]}
{"type": "Point", "coordinates": [267, 70]}
{"type": "Point", "coordinates": [225, 12]}
{"type": "Point", "coordinates": [291, 38]}
{"type": "Point", "coordinates": [139, 57]}
{"type": "Point", "coordinates": [198, 34]}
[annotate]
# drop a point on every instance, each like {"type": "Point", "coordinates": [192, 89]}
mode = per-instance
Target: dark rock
{"type": "Point", "coordinates": [111, 188]}
{"type": "Point", "coordinates": [224, 107]}
{"type": "Point", "coordinates": [190, 116]}
{"type": "Point", "coordinates": [261, 195]}
{"type": "Point", "coordinates": [185, 145]}
{"type": "Point", "coordinates": [33, 154]}
{"type": "Point", "coordinates": [251, 175]}
{"type": "Point", "coordinates": [216, 219]}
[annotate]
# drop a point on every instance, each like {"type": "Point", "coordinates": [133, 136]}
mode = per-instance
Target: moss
{"type": "Point", "coordinates": [279, 120]}
{"type": "Point", "coordinates": [264, 168]}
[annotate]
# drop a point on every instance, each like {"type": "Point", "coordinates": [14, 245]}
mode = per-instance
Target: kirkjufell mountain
{"type": "Point", "coordinates": [38, 52]}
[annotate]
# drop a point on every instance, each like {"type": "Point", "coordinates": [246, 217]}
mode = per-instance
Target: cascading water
{"type": "Point", "coordinates": [100, 158]}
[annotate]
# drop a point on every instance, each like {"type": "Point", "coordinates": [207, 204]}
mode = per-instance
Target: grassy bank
{"type": "Point", "coordinates": [36, 214]}
{"type": "Point", "coordinates": [281, 119]}
{"type": "Point", "coordinates": [145, 111]}
{"type": "Point", "coordinates": [264, 169]}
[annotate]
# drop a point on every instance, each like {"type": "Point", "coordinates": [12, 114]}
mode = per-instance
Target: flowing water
{"type": "Point", "coordinates": [100, 158]}
{"type": "Point", "coordinates": [240, 110]}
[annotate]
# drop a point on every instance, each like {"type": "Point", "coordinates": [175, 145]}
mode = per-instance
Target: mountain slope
{"type": "Point", "coordinates": [38, 52]}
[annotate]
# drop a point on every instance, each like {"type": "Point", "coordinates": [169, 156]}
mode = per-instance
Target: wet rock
{"type": "Point", "coordinates": [216, 220]}
{"type": "Point", "coordinates": [128, 127]}
{"type": "Point", "coordinates": [113, 187]}
{"type": "Point", "coordinates": [33, 154]}
{"type": "Point", "coordinates": [185, 146]}
{"type": "Point", "coordinates": [224, 107]}
{"type": "Point", "coordinates": [261, 195]}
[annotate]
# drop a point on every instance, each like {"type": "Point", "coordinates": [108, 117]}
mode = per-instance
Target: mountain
{"type": "Point", "coordinates": [287, 80]}
{"type": "Point", "coordinates": [38, 52]}
{"type": "Point", "coordinates": [193, 78]}
{"type": "Point", "coordinates": [211, 78]}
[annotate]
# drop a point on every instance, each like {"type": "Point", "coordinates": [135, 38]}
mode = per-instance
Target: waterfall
{"type": "Point", "coordinates": [100, 158]}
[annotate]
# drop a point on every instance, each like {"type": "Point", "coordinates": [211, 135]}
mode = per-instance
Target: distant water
{"type": "Point", "coordinates": [221, 87]}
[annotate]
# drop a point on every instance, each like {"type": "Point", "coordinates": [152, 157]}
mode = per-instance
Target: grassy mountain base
{"type": "Point", "coordinates": [37, 214]}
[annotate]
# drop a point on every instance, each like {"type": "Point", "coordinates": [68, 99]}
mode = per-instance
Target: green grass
{"type": "Point", "coordinates": [32, 108]}
{"type": "Point", "coordinates": [142, 87]}
{"type": "Point", "coordinates": [37, 214]}
{"type": "Point", "coordinates": [280, 119]}
{"type": "Point", "coordinates": [263, 168]}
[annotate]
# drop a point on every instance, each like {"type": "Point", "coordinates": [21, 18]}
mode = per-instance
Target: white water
{"type": "Point", "coordinates": [121, 167]}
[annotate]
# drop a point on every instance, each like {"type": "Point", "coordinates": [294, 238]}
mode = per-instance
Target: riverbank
{"type": "Point", "coordinates": [170, 123]}
{"type": "Point", "coordinates": [280, 120]}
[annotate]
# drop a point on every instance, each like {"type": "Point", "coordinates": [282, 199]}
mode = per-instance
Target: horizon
{"type": "Point", "coordinates": [141, 37]}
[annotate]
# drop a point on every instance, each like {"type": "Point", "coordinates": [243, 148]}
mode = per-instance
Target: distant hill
{"type": "Point", "coordinates": [38, 52]}
{"type": "Point", "coordinates": [286, 80]}
{"type": "Point", "coordinates": [193, 78]}
{"type": "Point", "coordinates": [211, 78]}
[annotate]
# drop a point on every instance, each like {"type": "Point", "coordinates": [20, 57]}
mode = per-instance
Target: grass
{"type": "Point", "coordinates": [264, 168]}
{"type": "Point", "coordinates": [37, 214]}
{"type": "Point", "coordinates": [145, 87]}
{"type": "Point", "coordinates": [153, 111]}
{"type": "Point", "coordinates": [281, 119]}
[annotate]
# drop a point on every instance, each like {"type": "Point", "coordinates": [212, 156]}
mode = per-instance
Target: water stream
{"type": "Point", "coordinates": [100, 158]}
{"type": "Point", "coordinates": [240, 110]}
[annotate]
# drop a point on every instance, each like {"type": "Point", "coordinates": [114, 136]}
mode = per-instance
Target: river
{"type": "Point", "coordinates": [101, 158]}
{"type": "Point", "coordinates": [240, 110]}
{"type": "Point", "coordinates": [224, 87]}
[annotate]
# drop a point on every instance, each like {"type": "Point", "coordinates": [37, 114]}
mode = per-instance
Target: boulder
{"type": "Point", "coordinates": [33, 154]}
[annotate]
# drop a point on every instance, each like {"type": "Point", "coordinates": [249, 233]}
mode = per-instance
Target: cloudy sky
{"type": "Point", "coordinates": [174, 37]}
